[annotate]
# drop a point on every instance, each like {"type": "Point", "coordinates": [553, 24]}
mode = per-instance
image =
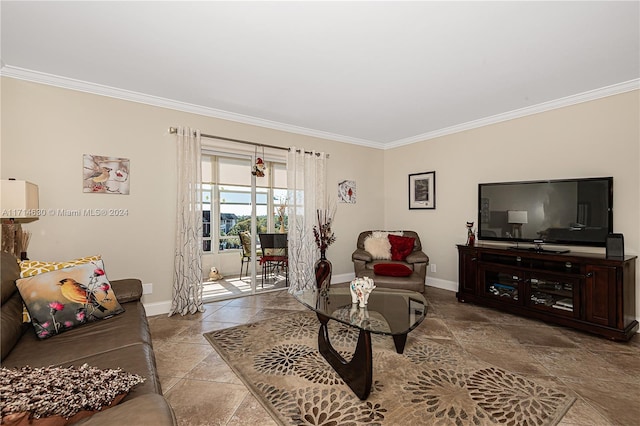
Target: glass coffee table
{"type": "Point", "coordinates": [389, 312]}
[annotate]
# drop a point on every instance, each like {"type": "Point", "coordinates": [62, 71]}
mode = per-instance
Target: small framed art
{"type": "Point", "coordinates": [347, 191]}
{"type": "Point", "coordinates": [422, 190]}
{"type": "Point", "coordinates": [105, 175]}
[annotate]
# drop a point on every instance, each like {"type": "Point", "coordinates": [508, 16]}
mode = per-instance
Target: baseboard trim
{"type": "Point", "coordinates": [157, 308]}
{"type": "Point", "coordinates": [431, 282]}
{"type": "Point", "coordinates": [442, 284]}
{"type": "Point", "coordinates": [343, 278]}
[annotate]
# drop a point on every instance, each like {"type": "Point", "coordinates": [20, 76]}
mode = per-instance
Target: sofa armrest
{"type": "Point", "coordinates": [417, 257]}
{"type": "Point", "coordinates": [127, 290]}
{"type": "Point", "coordinates": [147, 409]}
{"type": "Point", "coordinates": [361, 254]}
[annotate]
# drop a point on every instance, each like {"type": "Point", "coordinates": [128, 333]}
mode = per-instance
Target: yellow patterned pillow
{"type": "Point", "coordinates": [29, 268]}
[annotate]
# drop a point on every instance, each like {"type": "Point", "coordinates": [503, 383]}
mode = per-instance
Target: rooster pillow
{"type": "Point", "coordinates": [59, 300]}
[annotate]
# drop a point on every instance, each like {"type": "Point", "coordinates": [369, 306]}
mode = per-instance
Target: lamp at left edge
{"type": "Point", "coordinates": [19, 203]}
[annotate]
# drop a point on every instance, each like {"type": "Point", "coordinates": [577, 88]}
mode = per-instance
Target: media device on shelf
{"type": "Point", "coordinates": [573, 212]}
{"type": "Point", "coordinates": [615, 246]}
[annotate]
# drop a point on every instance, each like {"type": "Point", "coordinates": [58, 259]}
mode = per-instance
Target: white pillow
{"type": "Point", "coordinates": [378, 234]}
{"type": "Point", "coordinates": [379, 248]}
{"type": "Point", "coordinates": [385, 234]}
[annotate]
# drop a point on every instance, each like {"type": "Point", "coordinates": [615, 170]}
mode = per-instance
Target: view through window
{"type": "Point", "coordinates": [226, 208]}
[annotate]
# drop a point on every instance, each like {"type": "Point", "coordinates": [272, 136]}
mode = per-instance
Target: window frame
{"type": "Point", "coordinates": [214, 189]}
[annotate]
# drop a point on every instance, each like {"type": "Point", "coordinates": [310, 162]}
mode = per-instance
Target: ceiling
{"type": "Point", "coordinates": [381, 74]}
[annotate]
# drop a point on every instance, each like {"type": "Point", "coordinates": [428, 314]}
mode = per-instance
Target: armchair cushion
{"type": "Point", "coordinates": [401, 247]}
{"type": "Point", "coordinates": [392, 270]}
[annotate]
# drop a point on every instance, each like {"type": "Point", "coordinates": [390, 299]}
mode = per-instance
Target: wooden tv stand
{"type": "Point", "coordinates": [580, 290]}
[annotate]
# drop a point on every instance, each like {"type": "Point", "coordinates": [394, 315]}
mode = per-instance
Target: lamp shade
{"type": "Point", "coordinates": [19, 200]}
{"type": "Point", "coordinates": [517, 216]}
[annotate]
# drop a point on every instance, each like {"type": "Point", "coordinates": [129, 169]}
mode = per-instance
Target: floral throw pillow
{"type": "Point", "coordinates": [59, 300]}
{"type": "Point", "coordinates": [29, 268]}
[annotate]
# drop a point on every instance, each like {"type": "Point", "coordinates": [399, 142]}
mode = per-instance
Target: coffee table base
{"type": "Point", "coordinates": [357, 373]}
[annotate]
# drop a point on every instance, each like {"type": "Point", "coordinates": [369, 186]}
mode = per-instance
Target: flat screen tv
{"type": "Point", "coordinates": [565, 212]}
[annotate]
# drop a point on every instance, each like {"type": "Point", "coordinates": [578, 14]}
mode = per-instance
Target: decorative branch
{"type": "Point", "coordinates": [25, 237]}
{"type": "Point", "coordinates": [322, 232]}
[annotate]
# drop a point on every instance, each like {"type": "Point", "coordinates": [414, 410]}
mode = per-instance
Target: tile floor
{"type": "Point", "coordinates": [603, 375]}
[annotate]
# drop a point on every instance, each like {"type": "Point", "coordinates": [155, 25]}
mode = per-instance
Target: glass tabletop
{"type": "Point", "coordinates": [389, 311]}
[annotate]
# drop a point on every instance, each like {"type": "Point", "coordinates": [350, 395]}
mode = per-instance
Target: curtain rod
{"type": "Point", "coordinates": [174, 130]}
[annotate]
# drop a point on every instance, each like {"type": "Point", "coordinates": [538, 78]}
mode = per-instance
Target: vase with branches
{"type": "Point", "coordinates": [324, 237]}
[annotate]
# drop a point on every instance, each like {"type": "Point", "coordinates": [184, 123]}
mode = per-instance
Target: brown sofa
{"type": "Point", "coordinates": [417, 260]}
{"type": "Point", "coordinates": [123, 341]}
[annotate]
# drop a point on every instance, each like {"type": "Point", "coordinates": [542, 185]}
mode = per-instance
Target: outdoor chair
{"type": "Point", "coordinates": [275, 255]}
{"type": "Point", "coordinates": [245, 243]}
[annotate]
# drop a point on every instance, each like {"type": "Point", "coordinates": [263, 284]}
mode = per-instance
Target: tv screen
{"type": "Point", "coordinates": [567, 211]}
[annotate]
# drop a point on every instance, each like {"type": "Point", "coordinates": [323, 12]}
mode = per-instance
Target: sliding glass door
{"type": "Point", "coordinates": [237, 207]}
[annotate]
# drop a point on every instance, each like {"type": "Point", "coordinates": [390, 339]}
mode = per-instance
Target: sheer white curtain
{"type": "Point", "coordinates": [187, 276]}
{"type": "Point", "coordinates": [306, 192]}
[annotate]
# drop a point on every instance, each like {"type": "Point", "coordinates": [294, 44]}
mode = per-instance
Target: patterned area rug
{"type": "Point", "coordinates": [432, 383]}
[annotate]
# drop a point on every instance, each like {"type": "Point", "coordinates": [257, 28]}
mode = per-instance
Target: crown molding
{"type": "Point", "coordinates": [591, 95]}
{"type": "Point", "coordinates": [98, 89]}
{"type": "Point", "coordinates": [127, 95]}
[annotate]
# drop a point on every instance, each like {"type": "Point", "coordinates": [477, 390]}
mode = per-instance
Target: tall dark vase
{"type": "Point", "coordinates": [323, 271]}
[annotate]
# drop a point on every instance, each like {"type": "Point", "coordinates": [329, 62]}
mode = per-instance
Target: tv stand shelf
{"type": "Point", "coordinates": [584, 291]}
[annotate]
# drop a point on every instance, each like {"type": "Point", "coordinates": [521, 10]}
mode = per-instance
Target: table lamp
{"type": "Point", "coordinates": [18, 204]}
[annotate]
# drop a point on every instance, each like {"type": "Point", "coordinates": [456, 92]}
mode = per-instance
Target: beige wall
{"type": "Point", "coordinates": [46, 130]}
{"type": "Point", "coordinates": [591, 139]}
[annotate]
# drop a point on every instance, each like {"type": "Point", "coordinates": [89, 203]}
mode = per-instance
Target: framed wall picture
{"type": "Point", "coordinates": [422, 190]}
{"type": "Point", "coordinates": [105, 175]}
{"type": "Point", "coordinates": [347, 191]}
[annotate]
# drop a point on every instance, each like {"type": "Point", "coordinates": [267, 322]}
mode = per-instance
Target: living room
{"type": "Point", "coordinates": [148, 255]}
{"type": "Point", "coordinates": [590, 139]}
{"type": "Point", "coordinates": [50, 122]}
{"type": "Point", "coordinates": [563, 138]}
